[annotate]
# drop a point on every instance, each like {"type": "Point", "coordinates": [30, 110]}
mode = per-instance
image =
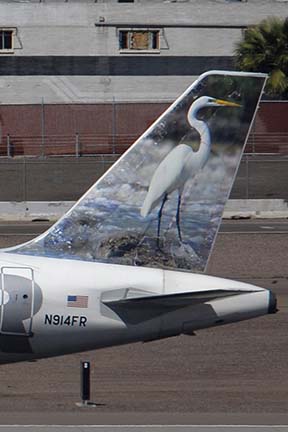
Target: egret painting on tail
{"type": "Point", "coordinates": [181, 163]}
{"type": "Point", "coordinates": [160, 205]}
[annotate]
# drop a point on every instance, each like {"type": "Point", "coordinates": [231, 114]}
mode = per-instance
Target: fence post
{"type": "Point", "coordinates": [103, 163]}
{"type": "Point", "coordinates": [247, 177]}
{"type": "Point", "coordinates": [77, 145]}
{"type": "Point", "coordinates": [8, 145]}
{"type": "Point", "coordinates": [113, 126]}
{"type": "Point", "coordinates": [24, 180]}
{"type": "Point", "coordinates": [253, 137]}
{"type": "Point", "coordinates": [42, 129]}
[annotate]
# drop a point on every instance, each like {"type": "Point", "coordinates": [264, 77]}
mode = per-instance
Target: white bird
{"type": "Point", "coordinates": [181, 163]}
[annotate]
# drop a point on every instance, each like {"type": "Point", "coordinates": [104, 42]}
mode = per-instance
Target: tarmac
{"type": "Point", "coordinates": [230, 375]}
{"type": "Point", "coordinates": [241, 226]}
{"type": "Point", "coordinates": [141, 428]}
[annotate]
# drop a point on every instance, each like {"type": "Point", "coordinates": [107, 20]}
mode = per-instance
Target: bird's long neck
{"type": "Point", "coordinates": [205, 141]}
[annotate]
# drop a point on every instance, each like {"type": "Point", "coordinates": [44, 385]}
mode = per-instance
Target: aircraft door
{"type": "Point", "coordinates": [17, 301]}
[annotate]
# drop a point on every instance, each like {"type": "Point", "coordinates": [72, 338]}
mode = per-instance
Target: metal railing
{"type": "Point", "coordinates": [268, 143]}
{"type": "Point", "coordinates": [96, 144]}
{"type": "Point", "coordinates": [65, 145]}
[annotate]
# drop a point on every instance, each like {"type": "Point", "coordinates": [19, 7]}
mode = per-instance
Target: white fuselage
{"type": "Point", "coordinates": [38, 320]}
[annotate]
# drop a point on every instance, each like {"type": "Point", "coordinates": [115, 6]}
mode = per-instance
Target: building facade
{"type": "Point", "coordinates": [91, 51]}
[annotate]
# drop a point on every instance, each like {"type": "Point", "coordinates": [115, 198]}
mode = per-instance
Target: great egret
{"type": "Point", "coordinates": [181, 163]}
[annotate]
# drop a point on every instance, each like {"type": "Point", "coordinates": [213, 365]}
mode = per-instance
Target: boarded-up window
{"type": "Point", "coordinates": [139, 39]}
{"type": "Point", "coordinates": [6, 40]}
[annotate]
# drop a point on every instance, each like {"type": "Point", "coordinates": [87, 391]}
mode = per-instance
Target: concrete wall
{"type": "Point", "coordinates": [90, 89]}
{"type": "Point", "coordinates": [79, 40]}
{"type": "Point", "coordinates": [87, 13]}
{"type": "Point", "coordinates": [46, 180]}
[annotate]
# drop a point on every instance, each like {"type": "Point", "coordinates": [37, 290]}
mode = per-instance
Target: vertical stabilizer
{"type": "Point", "coordinates": [161, 203]}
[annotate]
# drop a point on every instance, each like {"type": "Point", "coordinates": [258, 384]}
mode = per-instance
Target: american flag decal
{"type": "Point", "coordinates": [78, 301]}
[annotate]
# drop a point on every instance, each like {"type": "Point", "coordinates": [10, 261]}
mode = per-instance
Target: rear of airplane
{"type": "Point", "coordinates": [114, 259]}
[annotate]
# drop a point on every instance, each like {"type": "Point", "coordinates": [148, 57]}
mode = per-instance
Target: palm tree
{"type": "Point", "coordinates": [264, 48]}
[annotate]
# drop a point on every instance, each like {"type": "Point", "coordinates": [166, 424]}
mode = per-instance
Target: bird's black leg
{"type": "Point", "coordinates": [159, 219]}
{"type": "Point", "coordinates": [178, 218]}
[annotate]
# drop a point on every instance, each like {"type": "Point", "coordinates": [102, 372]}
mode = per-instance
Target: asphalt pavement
{"type": "Point", "coordinates": [144, 428]}
{"type": "Point", "coordinates": [230, 375]}
{"type": "Point", "coordinates": [244, 226]}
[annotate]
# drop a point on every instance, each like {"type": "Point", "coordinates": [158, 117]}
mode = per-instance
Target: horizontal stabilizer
{"type": "Point", "coordinates": [176, 300]}
{"type": "Point", "coordinates": [133, 309]}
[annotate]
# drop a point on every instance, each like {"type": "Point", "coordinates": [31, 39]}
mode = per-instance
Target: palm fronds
{"type": "Point", "coordinates": [264, 48]}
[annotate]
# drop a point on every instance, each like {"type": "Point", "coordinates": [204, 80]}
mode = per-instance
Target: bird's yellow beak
{"type": "Point", "coordinates": [226, 103]}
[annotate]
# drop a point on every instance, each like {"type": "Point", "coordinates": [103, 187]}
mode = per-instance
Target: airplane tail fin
{"type": "Point", "coordinates": [161, 203]}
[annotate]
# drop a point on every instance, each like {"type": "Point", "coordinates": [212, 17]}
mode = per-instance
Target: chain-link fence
{"type": "Point", "coordinates": [261, 177]}
{"type": "Point", "coordinates": [66, 179]}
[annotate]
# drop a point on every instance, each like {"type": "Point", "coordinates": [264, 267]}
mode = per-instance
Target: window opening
{"type": "Point", "coordinates": [6, 40]}
{"type": "Point", "coordinates": [139, 39]}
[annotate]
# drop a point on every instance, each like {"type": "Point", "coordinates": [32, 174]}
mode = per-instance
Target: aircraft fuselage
{"type": "Point", "coordinates": [56, 306]}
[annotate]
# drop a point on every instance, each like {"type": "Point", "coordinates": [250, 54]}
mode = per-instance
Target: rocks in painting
{"type": "Point", "coordinates": [131, 249]}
